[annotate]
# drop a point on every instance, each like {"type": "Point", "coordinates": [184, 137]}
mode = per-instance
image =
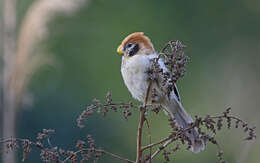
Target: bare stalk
{"type": "Point", "coordinates": [140, 126]}
{"type": "Point", "coordinates": [150, 139]}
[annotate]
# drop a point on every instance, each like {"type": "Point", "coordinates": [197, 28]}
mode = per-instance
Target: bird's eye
{"type": "Point", "coordinates": [128, 45]}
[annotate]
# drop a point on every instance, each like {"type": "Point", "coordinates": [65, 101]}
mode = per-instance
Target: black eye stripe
{"type": "Point", "coordinates": [133, 50]}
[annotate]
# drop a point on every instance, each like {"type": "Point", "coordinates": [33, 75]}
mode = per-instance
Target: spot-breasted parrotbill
{"type": "Point", "coordinates": [138, 52]}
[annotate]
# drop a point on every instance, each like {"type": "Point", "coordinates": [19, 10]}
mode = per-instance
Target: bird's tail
{"type": "Point", "coordinates": [183, 119]}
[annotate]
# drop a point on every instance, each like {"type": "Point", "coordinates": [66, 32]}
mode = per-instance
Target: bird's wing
{"type": "Point", "coordinates": [160, 78]}
{"type": "Point", "coordinates": [176, 92]}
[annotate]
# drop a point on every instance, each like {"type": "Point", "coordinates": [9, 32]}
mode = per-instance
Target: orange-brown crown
{"type": "Point", "coordinates": [138, 37]}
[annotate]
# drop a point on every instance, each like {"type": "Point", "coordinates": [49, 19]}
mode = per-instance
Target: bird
{"type": "Point", "coordinates": [137, 53]}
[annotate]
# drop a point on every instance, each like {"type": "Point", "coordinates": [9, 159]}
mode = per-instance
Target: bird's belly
{"type": "Point", "coordinates": [136, 82]}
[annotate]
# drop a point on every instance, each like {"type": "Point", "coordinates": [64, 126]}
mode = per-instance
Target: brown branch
{"type": "Point", "coordinates": [140, 126]}
{"type": "Point", "coordinates": [150, 139]}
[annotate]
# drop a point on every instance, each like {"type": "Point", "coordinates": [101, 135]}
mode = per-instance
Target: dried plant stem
{"type": "Point", "coordinates": [150, 139]}
{"type": "Point", "coordinates": [139, 136]}
{"type": "Point", "coordinates": [230, 116]}
{"type": "Point", "coordinates": [140, 126]}
{"type": "Point", "coordinates": [75, 153]}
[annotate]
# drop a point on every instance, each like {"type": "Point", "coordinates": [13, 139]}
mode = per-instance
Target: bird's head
{"type": "Point", "coordinates": [134, 44]}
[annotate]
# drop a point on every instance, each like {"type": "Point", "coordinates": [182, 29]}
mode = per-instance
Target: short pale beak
{"type": "Point", "coordinates": [120, 50]}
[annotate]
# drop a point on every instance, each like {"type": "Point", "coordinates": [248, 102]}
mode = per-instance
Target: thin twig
{"type": "Point", "coordinates": [169, 137]}
{"type": "Point", "coordinates": [67, 159]}
{"type": "Point", "coordinates": [162, 147]}
{"type": "Point", "coordinates": [156, 143]}
{"type": "Point", "coordinates": [114, 155]}
{"type": "Point", "coordinates": [100, 151]}
{"type": "Point", "coordinates": [140, 126]}
{"type": "Point", "coordinates": [220, 116]}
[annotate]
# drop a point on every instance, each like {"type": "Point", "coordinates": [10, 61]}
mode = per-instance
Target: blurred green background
{"type": "Point", "coordinates": [223, 42]}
